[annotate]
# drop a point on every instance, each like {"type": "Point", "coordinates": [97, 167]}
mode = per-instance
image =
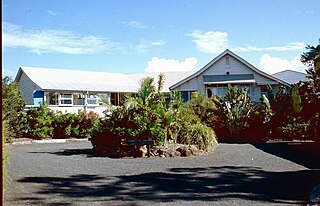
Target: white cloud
{"type": "Point", "coordinates": [136, 24]}
{"type": "Point", "coordinates": [275, 64]}
{"type": "Point", "coordinates": [217, 41]}
{"type": "Point", "coordinates": [144, 45]}
{"type": "Point", "coordinates": [54, 41]}
{"type": "Point", "coordinates": [310, 12]}
{"type": "Point", "coordinates": [168, 65]}
{"type": "Point", "coordinates": [293, 46]}
{"type": "Point", "coordinates": [211, 41]}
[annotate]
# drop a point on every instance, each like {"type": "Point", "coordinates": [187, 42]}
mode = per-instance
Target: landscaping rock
{"type": "Point", "coordinates": [170, 150]}
{"type": "Point", "coordinates": [160, 152]}
{"type": "Point", "coordinates": [184, 151]}
{"type": "Point", "coordinates": [194, 150]}
{"type": "Point", "coordinates": [142, 151]}
{"type": "Point", "coordinates": [177, 154]}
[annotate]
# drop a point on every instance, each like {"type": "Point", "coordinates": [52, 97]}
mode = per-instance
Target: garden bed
{"type": "Point", "coordinates": [170, 150]}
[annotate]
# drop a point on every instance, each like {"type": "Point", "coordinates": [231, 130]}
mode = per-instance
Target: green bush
{"type": "Point", "coordinates": [197, 133]}
{"type": "Point", "coordinates": [5, 156]}
{"type": "Point", "coordinates": [13, 105]}
{"type": "Point", "coordinates": [145, 116]}
{"type": "Point", "coordinates": [65, 125]}
{"type": "Point", "coordinates": [89, 122]}
{"type": "Point", "coordinates": [43, 123]}
{"type": "Point", "coordinates": [238, 119]}
{"type": "Point", "coordinates": [204, 108]}
{"type": "Point", "coordinates": [39, 123]}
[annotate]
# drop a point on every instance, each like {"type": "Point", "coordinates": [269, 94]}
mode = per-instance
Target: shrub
{"type": "Point", "coordinates": [65, 125]}
{"type": "Point", "coordinates": [89, 122]}
{"type": "Point", "coordinates": [234, 113]}
{"type": "Point", "coordinates": [145, 116]}
{"type": "Point", "coordinates": [5, 156]}
{"type": "Point", "coordinates": [199, 134]}
{"type": "Point", "coordinates": [13, 105]}
{"type": "Point", "coordinates": [203, 107]}
{"type": "Point", "coordinates": [189, 128]}
{"type": "Point", "coordinates": [239, 119]}
{"type": "Point", "coordinates": [39, 123]}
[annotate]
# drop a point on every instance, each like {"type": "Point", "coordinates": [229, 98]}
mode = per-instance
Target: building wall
{"type": "Point", "coordinates": [236, 67]}
{"type": "Point", "coordinates": [233, 66]}
{"type": "Point", "coordinates": [75, 109]}
{"type": "Point", "coordinates": [27, 86]}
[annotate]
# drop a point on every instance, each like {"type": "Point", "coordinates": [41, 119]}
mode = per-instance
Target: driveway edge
{"type": "Point", "coordinates": [48, 141]}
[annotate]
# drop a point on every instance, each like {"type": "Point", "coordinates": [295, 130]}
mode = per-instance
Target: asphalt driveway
{"type": "Point", "coordinates": [234, 174]}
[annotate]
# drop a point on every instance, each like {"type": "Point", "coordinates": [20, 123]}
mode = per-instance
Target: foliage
{"type": "Point", "coordinates": [296, 110]}
{"type": "Point", "coordinates": [259, 122]}
{"type": "Point", "coordinates": [312, 58]}
{"type": "Point", "coordinates": [310, 91]}
{"type": "Point", "coordinates": [65, 125]}
{"type": "Point", "coordinates": [237, 118]}
{"type": "Point", "coordinates": [235, 111]}
{"type": "Point", "coordinates": [203, 107]}
{"type": "Point", "coordinates": [5, 155]}
{"type": "Point", "coordinates": [88, 122]}
{"type": "Point", "coordinates": [137, 119]}
{"type": "Point", "coordinates": [296, 99]}
{"type": "Point", "coordinates": [40, 123]}
{"type": "Point", "coordinates": [13, 105]}
{"type": "Point", "coordinates": [43, 123]}
{"type": "Point", "coordinates": [145, 116]}
{"type": "Point", "coordinates": [190, 130]}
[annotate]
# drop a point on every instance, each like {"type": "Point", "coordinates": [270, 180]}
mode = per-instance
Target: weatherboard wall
{"type": "Point", "coordinates": [224, 67]}
{"type": "Point", "coordinates": [28, 87]}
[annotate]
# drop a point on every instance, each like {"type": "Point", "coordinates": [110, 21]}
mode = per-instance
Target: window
{"type": "Point", "coordinates": [52, 98]}
{"type": "Point", "coordinates": [104, 99]}
{"type": "Point", "coordinates": [217, 91]}
{"type": "Point", "coordinates": [78, 99]}
{"type": "Point", "coordinates": [186, 95]}
{"type": "Point", "coordinates": [92, 99]}
{"type": "Point", "coordinates": [209, 93]}
{"type": "Point", "coordinates": [114, 99]}
{"type": "Point", "coordinates": [227, 61]}
{"type": "Point", "coordinates": [247, 88]}
{"type": "Point", "coordinates": [263, 90]}
{"type": "Point", "coordinates": [66, 96]}
{"type": "Point", "coordinates": [66, 99]}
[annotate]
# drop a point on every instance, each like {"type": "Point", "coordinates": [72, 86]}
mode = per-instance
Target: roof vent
{"type": "Point", "coordinates": [227, 61]}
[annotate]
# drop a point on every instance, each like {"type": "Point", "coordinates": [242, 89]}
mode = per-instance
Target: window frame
{"type": "Point", "coordinates": [63, 98]}
{"type": "Point", "coordinates": [93, 97]}
{"type": "Point", "coordinates": [189, 93]}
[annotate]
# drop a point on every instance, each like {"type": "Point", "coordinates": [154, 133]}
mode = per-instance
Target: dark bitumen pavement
{"type": "Point", "coordinates": [234, 174]}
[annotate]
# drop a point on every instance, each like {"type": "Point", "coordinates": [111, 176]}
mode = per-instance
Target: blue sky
{"type": "Point", "coordinates": [140, 35]}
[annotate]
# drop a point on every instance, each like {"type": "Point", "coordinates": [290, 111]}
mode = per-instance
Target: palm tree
{"type": "Point", "coordinates": [312, 58]}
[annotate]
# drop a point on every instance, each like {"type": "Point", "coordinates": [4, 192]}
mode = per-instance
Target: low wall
{"type": "Point", "coordinates": [73, 109]}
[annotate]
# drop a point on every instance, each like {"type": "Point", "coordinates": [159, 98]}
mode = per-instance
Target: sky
{"type": "Point", "coordinates": [134, 36]}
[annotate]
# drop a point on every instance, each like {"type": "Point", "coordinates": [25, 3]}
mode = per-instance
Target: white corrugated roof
{"type": "Point", "coordinates": [76, 80]}
{"type": "Point", "coordinates": [170, 78]}
{"type": "Point", "coordinates": [291, 76]}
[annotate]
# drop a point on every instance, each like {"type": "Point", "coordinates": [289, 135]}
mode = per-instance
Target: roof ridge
{"type": "Point", "coordinates": [289, 70]}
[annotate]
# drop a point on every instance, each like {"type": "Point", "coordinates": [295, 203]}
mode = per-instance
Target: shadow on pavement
{"type": "Point", "coordinates": [189, 184]}
{"type": "Point", "coordinates": [70, 152]}
{"type": "Point", "coordinates": [306, 154]}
